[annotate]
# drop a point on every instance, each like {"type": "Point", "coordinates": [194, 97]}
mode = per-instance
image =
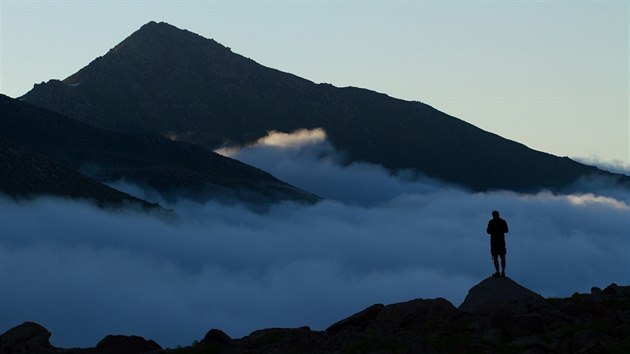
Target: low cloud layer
{"type": "Point", "coordinates": [84, 273]}
{"type": "Point", "coordinates": [615, 166]}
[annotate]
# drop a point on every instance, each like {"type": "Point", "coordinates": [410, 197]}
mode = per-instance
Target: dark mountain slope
{"type": "Point", "coordinates": [171, 82]}
{"type": "Point", "coordinates": [26, 175]}
{"type": "Point", "coordinates": [166, 166]}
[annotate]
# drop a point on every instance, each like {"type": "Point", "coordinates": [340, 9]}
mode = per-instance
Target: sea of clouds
{"type": "Point", "coordinates": [84, 272]}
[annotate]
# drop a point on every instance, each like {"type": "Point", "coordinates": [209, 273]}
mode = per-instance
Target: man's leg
{"type": "Point", "coordinates": [502, 265]}
{"type": "Point", "coordinates": [495, 260]}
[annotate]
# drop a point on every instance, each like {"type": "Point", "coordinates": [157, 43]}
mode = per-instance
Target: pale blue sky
{"type": "Point", "coordinates": [552, 75]}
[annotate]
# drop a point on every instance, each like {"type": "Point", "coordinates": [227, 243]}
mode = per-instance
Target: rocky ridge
{"type": "Point", "coordinates": [497, 316]}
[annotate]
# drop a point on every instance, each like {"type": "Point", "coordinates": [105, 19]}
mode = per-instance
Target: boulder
{"type": "Point", "coordinates": [614, 289]}
{"type": "Point", "coordinates": [29, 337]}
{"type": "Point", "coordinates": [216, 337]}
{"type": "Point", "coordinates": [117, 344]}
{"type": "Point", "coordinates": [499, 294]}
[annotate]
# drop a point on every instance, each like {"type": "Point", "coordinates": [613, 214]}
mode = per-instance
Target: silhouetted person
{"type": "Point", "coordinates": [497, 228]}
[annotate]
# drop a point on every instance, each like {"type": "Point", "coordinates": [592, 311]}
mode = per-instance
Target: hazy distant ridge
{"type": "Point", "coordinates": [175, 169]}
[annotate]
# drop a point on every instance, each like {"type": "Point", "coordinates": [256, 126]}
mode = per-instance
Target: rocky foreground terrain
{"type": "Point", "coordinates": [497, 316]}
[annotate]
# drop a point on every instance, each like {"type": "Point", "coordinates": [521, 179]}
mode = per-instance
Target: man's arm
{"type": "Point", "coordinates": [505, 226]}
{"type": "Point", "coordinates": [489, 228]}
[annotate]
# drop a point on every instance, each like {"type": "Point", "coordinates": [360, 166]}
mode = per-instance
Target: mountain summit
{"type": "Point", "coordinates": [171, 82]}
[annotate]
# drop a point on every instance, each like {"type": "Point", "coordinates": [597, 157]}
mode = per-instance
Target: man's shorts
{"type": "Point", "coordinates": [497, 249]}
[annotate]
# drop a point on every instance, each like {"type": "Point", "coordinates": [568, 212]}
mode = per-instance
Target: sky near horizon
{"type": "Point", "coordinates": [551, 75]}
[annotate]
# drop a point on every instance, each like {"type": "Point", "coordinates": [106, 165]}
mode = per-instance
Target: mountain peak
{"type": "Point", "coordinates": [167, 81]}
{"type": "Point", "coordinates": [161, 50]}
{"type": "Point", "coordinates": [153, 23]}
{"type": "Point", "coordinates": [154, 35]}
{"type": "Point", "coordinates": [156, 28]}
{"type": "Point", "coordinates": [160, 27]}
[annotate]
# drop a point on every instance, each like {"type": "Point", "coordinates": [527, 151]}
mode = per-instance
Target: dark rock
{"type": "Point", "coordinates": [499, 294]}
{"type": "Point", "coordinates": [491, 334]}
{"type": "Point", "coordinates": [610, 289]}
{"type": "Point", "coordinates": [535, 350]}
{"type": "Point", "coordinates": [416, 312]}
{"type": "Point", "coordinates": [589, 341]}
{"type": "Point", "coordinates": [622, 331]}
{"type": "Point", "coordinates": [588, 311]}
{"type": "Point", "coordinates": [623, 315]}
{"type": "Point", "coordinates": [595, 290]}
{"type": "Point", "coordinates": [614, 289]}
{"type": "Point", "coordinates": [359, 319]}
{"type": "Point", "coordinates": [216, 337]}
{"type": "Point", "coordinates": [117, 344]}
{"type": "Point", "coordinates": [534, 344]}
{"type": "Point", "coordinates": [283, 340]}
{"type": "Point", "coordinates": [26, 338]}
{"type": "Point", "coordinates": [525, 325]}
{"type": "Point", "coordinates": [555, 319]}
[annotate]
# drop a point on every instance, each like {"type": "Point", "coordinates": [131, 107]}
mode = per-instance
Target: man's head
{"type": "Point", "coordinates": [495, 214]}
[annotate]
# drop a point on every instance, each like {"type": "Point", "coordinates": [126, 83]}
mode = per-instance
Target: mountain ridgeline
{"type": "Point", "coordinates": [172, 168]}
{"type": "Point", "coordinates": [165, 81]}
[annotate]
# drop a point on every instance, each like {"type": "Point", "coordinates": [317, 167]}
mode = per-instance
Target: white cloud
{"type": "Point", "coordinates": [296, 139]}
{"type": "Point", "coordinates": [307, 160]}
{"type": "Point", "coordinates": [615, 166]}
{"type": "Point", "coordinates": [83, 272]}
{"type": "Point", "coordinates": [590, 198]}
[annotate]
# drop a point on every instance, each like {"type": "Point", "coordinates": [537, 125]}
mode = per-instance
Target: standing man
{"type": "Point", "coordinates": [497, 228]}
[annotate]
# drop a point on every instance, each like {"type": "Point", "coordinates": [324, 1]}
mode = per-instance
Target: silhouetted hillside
{"type": "Point", "coordinates": [171, 82]}
{"type": "Point", "coordinates": [25, 175]}
{"type": "Point", "coordinates": [521, 321]}
{"type": "Point", "coordinates": [172, 168]}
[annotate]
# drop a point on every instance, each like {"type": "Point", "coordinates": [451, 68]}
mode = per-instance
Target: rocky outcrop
{"type": "Point", "coordinates": [26, 338]}
{"type": "Point", "coordinates": [497, 316]}
{"type": "Point", "coordinates": [216, 337]}
{"type": "Point", "coordinates": [499, 294]}
{"type": "Point", "coordinates": [31, 338]}
{"type": "Point", "coordinates": [126, 345]}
